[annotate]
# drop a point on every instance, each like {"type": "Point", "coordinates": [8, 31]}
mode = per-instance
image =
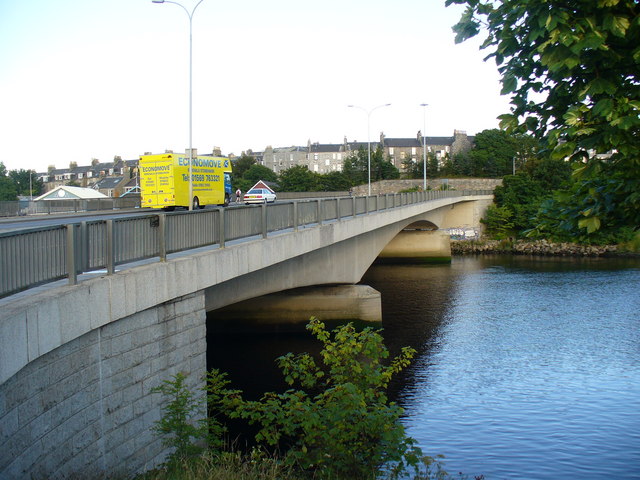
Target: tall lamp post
{"type": "Point", "coordinates": [190, 15]}
{"type": "Point", "coordinates": [369, 112]}
{"type": "Point", "coordinates": [424, 146]}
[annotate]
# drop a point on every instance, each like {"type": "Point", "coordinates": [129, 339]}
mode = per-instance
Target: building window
{"type": "Point", "coordinates": [390, 150]}
{"type": "Point", "coordinates": [413, 151]}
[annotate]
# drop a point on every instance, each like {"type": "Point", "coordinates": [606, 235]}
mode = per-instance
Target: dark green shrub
{"type": "Point", "coordinates": [337, 421]}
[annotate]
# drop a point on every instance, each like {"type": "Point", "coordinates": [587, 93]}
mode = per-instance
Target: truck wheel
{"type": "Point", "coordinates": [196, 203]}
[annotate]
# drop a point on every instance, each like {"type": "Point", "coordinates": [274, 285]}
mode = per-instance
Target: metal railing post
{"type": "Point", "coordinates": [264, 220]}
{"type": "Point", "coordinates": [221, 225]}
{"type": "Point", "coordinates": [295, 215]}
{"type": "Point", "coordinates": [162, 237]}
{"type": "Point", "coordinates": [71, 257]}
{"type": "Point", "coordinates": [338, 215]}
{"type": "Point", "coordinates": [319, 211]}
{"type": "Point", "coordinates": [110, 248]}
{"type": "Point", "coordinates": [354, 206]}
{"type": "Point", "coordinates": [84, 246]}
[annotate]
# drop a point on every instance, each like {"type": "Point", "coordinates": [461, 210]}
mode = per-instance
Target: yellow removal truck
{"type": "Point", "coordinates": [164, 180]}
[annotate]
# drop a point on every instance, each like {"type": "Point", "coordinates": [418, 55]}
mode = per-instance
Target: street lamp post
{"type": "Point", "coordinates": [424, 146]}
{"type": "Point", "coordinates": [369, 112]}
{"type": "Point", "coordinates": [190, 15]}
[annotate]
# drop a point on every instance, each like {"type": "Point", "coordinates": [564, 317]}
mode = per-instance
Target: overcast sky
{"type": "Point", "coordinates": [99, 78]}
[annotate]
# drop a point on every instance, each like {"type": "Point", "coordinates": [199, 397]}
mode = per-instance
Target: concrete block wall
{"type": "Point", "coordinates": [85, 409]}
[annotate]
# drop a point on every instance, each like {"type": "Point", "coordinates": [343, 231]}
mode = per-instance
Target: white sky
{"type": "Point", "coordinates": [98, 78]}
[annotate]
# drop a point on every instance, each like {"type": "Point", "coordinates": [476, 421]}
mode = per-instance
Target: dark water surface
{"type": "Point", "coordinates": [526, 368]}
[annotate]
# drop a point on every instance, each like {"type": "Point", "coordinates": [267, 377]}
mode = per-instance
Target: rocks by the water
{"type": "Point", "coordinates": [538, 247]}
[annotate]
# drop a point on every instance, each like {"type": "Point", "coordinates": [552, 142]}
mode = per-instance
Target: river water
{"type": "Point", "coordinates": [527, 368]}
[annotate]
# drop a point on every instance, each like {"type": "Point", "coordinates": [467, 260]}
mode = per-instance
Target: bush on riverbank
{"type": "Point", "coordinates": [334, 422]}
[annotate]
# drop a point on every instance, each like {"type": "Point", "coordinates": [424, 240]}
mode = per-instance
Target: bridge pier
{"type": "Point", "coordinates": [86, 409]}
{"type": "Point", "coordinates": [417, 246]}
{"type": "Point", "coordinates": [291, 309]}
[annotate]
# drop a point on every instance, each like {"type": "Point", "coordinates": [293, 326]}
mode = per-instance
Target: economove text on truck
{"type": "Point", "coordinates": [164, 181]}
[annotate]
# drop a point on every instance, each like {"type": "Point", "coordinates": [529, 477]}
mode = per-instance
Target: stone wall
{"type": "Point", "coordinates": [86, 408]}
{"type": "Point", "coordinates": [537, 247]}
{"type": "Point", "coordinates": [395, 186]}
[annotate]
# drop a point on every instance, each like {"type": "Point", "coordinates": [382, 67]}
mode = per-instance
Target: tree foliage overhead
{"type": "Point", "coordinates": [580, 58]}
{"type": "Point", "coordinates": [572, 71]}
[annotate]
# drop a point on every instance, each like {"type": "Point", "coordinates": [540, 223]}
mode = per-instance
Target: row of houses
{"type": "Point", "coordinates": [113, 179]}
{"type": "Point", "coordinates": [120, 177]}
{"type": "Point", "coordinates": [325, 158]}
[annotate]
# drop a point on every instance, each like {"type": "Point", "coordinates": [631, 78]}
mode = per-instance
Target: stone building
{"type": "Point", "coordinates": [329, 157]}
{"type": "Point", "coordinates": [279, 159]}
{"type": "Point", "coordinates": [398, 150]}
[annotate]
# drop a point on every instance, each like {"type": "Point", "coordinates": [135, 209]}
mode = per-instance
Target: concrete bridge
{"type": "Point", "coordinates": [78, 362]}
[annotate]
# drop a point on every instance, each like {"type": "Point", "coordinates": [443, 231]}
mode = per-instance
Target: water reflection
{"type": "Point", "coordinates": [531, 370]}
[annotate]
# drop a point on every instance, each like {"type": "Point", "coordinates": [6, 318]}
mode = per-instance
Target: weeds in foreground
{"type": "Point", "coordinates": [335, 422]}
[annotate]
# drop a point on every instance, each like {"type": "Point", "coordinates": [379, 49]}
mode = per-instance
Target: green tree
{"type": "Point", "coordinates": [336, 420]}
{"type": "Point", "coordinates": [415, 168]}
{"type": "Point", "coordinates": [492, 154]}
{"type": "Point", "coordinates": [242, 164]}
{"type": "Point", "coordinates": [298, 179]}
{"type": "Point", "coordinates": [333, 182]}
{"type": "Point", "coordinates": [252, 175]}
{"type": "Point", "coordinates": [520, 196]}
{"type": "Point", "coordinates": [433, 165]}
{"type": "Point", "coordinates": [259, 172]}
{"type": "Point", "coordinates": [356, 167]}
{"type": "Point", "coordinates": [571, 69]}
{"type": "Point", "coordinates": [181, 424]}
{"type": "Point", "coordinates": [8, 191]}
{"type": "Point", "coordinates": [607, 212]}
{"type": "Point", "coordinates": [498, 222]}
{"type": "Point", "coordinates": [23, 178]}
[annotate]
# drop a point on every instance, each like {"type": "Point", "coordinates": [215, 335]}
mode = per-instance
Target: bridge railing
{"type": "Point", "coordinates": [37, 256]}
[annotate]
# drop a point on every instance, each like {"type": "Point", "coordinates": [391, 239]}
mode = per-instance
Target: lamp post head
{"type": "Point", "coordinates": [157, 1]}
{"type": "Point", "coordinates": [424, 104]}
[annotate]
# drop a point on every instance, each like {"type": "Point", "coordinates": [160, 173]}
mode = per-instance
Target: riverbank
{"type": "Point", "coordinates": [538, 247]}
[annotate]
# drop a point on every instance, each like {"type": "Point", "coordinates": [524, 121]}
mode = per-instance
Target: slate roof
{"type": "Point", "coordinates": [403, 142]}
{"type": "Point", "coordinates": [326, 147]}
{"type": "Point", "coordinates": [357, 145]}
{"type": "Point", "coordinates": [108, 182]}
